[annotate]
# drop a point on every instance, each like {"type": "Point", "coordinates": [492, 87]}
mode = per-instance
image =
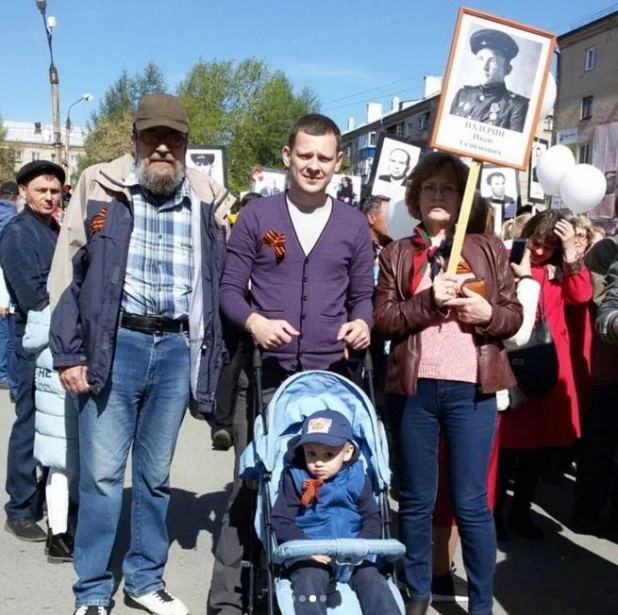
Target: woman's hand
{"type": "Point", "coordinates": [472, 309]}
{"type": "Point", "coordinates": [566, 233]}
{"type": "Point", "coordinates": [444, 288]}
{"type": "Point", "coordinates": [523, 268]}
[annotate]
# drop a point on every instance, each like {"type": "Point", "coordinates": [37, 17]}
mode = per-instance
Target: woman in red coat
{"type": "Point", "coordinates": [550, 421]}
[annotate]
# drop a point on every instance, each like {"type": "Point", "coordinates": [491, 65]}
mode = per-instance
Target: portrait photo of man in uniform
{"type": "Point", "coordinates": [493, 89]}
{"type": "Point", "coordinates": [488, 99]}
{"type": "Point", "coordinates": [209, 160]}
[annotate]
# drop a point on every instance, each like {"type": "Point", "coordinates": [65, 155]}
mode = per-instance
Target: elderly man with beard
{"type": "Point", "coordinates": [136, 331]}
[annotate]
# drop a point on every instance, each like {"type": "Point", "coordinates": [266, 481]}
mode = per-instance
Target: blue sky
{"type": "Point", "coordinates": [349, 51]}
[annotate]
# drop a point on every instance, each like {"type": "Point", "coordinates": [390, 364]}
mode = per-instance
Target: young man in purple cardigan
{"type": "Point", "coordinates": [308, 262]}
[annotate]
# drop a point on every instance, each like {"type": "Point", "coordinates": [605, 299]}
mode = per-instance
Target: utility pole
{"type": "Point", "coordinates": [54, 83]}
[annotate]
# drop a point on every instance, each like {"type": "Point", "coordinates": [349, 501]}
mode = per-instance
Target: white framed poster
{"type": "Point", "coordinates": [536, 194]}
{"type": "Point", "coordinates": [208, 159]}
{"type": "Point", "coordinates": [346, 188]}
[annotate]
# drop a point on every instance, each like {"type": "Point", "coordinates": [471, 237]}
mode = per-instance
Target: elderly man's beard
{"type": "Point", "coordinates": [161, 185]}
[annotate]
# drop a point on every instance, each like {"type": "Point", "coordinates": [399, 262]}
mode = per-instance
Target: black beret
{"type": "Point", "coordinates": [39, 167]}
{"type": "Point", "coordinates": [496, 40]}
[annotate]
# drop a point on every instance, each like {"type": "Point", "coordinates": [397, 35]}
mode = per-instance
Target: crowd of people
{"type": "Point", "coordinates": [139, 300]}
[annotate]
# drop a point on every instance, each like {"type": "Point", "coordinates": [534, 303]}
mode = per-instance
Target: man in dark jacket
{"type": "Point", "coordinates": [135, 330]}
{"type": "Point", "coordinates": [26, 252]}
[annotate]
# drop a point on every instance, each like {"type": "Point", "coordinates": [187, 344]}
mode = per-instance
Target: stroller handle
{"type": "Point", "coordinates": [345, 551]}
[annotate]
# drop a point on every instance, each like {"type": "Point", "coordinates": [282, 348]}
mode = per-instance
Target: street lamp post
{"type": "Point", "coordinates": [67, 125]}
{"type": "Point", "coordinates": [53, 80]}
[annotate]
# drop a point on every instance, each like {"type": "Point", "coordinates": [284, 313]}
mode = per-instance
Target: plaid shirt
{"type": "Point", "coordinates": [159, 274]}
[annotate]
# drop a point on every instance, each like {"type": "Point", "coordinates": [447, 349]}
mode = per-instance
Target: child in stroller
{"type": "Point", "coordinates": [325, 493]}
{"type": "Point", "coordinates": [265, 461]}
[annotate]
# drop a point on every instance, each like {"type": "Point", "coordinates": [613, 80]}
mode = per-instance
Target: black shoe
{"type": "Point", "coordinates": [13, 399]}
{"type": "Point", "coordinates": [25, 529]}
{"type": "Point", "coordinates": [418, 607]}
{"type": "Point", "coordinates": [581, 524]}
{"type": "Point", "coordinates": [502, 534]}
{"type": "Point", "coordinates": [522, 524]}
{"type": "Point", "coordinates": [448, 588]}
{"type": "Point", "coordinates": [59, 548]}
{"type": "Point", "coordinates": [4, 385]}
{"type": "Point", "coordinates": [222, 440]}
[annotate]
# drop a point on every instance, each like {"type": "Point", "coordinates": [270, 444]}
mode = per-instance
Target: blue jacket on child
{"type": "Point", "coordinates": [346, 507]}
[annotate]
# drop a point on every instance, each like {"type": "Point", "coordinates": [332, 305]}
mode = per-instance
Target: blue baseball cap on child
{"type": "Point", "coordinates": [326, 427]}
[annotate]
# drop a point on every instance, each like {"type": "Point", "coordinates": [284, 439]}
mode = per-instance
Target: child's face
{"type": "Point", "coordinates": [325, 461]}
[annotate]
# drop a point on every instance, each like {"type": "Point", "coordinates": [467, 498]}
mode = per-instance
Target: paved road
{"type": "Point", "coordinates": [566, 574]}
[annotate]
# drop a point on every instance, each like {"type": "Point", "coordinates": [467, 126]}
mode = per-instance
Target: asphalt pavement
{"type": "Point", "coordinates": [565, 574]}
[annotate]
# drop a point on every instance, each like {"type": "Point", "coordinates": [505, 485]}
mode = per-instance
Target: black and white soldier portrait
{"type": "Point", "coordinates": [489, 100]}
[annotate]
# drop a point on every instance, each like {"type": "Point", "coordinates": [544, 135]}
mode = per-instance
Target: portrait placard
{"type": "Point", "coordinates": [395, 158]}
{"type": "Point", "coordinates": [493, 90]}
{"type": "Point", "coordinates": [346, 188]}
{"type": "Point", "coordinates": [536, 194]}
{"type": "Point", "coordinates": [208, 159]}
{"type": "Point", "coordinates": [268, 182]}
{"type": "Point", "coordinates": [500, 186]}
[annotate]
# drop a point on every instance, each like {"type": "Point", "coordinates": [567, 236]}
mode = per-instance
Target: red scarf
{"type": "Point", "coordinates": [426, 255]}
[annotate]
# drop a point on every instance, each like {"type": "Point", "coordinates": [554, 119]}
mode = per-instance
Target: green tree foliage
{"type": "Point", "coordinates": [246, 107]}
{"type": "Point", "coordinates": [7, 157]}
{"type": "Point", "coordinates": [110, 126]}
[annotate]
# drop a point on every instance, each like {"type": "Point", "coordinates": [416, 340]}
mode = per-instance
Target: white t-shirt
{"type": "Point", "coordinates": [309, 222]}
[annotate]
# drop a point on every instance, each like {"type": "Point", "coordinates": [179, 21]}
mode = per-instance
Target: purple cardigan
{"type": "Point", "coordinates": [316, 294]}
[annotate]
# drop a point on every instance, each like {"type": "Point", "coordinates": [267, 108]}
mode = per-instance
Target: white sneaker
{"type": "Point", "coordinates": [160, 603]}
{"type": "Point", "coordinates": [91, 610]}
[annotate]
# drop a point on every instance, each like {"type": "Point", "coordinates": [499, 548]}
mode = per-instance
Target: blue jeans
{"type": "Point", "coordinates": [7, 353]}
{"type": "Point", "coordinates": [468, 420]}
{"type": "Point", "coordinates": [142, 406]}
{"type": "Point", "coordinates": [21, 480]}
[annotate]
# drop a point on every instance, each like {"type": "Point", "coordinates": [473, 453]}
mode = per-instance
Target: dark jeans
{"type": "Point", "coordinates": [595, 464]}
{"type": "Point", "coordinates": [237, 540]}
{"type": "Point", "coordinates": [468, 420]}
{"type": "Point", "coordinates": [524, 466]}
{"type": "Point", "coordinates": [21, 480]}
{"type": "Point", "coordinates": [7, 353]}
{"type": "Point", "coordinates": [310, 581]}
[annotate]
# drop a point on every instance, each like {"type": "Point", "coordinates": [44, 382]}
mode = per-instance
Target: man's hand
{"type": "Point", "coordinates": [473, 309]}
{"type": "Point", "coordinates": [322, 559]}
{"type": "Point", "coordinates": [74, 379]}
{"type": "Point", "coordinates": [4, 312]}
{"type": "Point", "coordinates": [270, 334]}
{"type": "Point", "coordinates": [355, 334]}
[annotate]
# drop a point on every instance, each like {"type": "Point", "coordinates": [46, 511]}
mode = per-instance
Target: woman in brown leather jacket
{"type": "Point", "coordinates": [447, 359]}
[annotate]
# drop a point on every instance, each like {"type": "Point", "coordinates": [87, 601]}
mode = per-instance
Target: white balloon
{"type": "Point", "coordinates": [399, 221]}
{"type": "Point", "coordinates": [582, 188]}
{"type": "Point", "coordinates": [553, 165]}
{"type": "Point", "coordinates": [549, 98]}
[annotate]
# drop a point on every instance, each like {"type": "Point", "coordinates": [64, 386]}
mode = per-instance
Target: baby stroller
{"type": "Point", "coordinates": [263, 461]}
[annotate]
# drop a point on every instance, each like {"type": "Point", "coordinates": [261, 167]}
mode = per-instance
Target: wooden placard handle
{"type": "Point", "coordinates": [464, 216]}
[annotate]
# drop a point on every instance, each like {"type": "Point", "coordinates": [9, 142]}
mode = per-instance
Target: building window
{"type": "Point", "coordinates": [18, 155]}
{"type": "Point", "coordinates": [399, 130]}
{"type": "Point", "coordinates": [583, 156]}
{"type": "Point", "coordinates": [423, 121]}
{"type": "Point", "coordinates": [73, 160]}
{"type": "Point", "coordinates": [372, 139]}
{"type": "Point", "coordinates": [591, 58]}
{"type": "Point", "coordinates": [586, 107]}
{"type": "Point", "coordinates": [36, 156]}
